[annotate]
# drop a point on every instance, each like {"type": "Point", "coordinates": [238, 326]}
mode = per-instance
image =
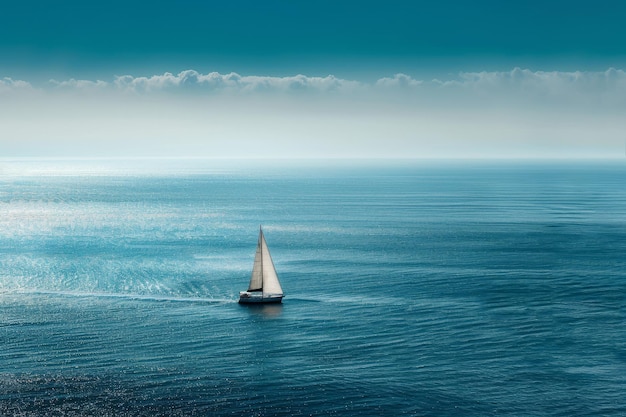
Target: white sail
{"type": "Point", "coordinates": [256, 280]}
{"type": "Point", "coordinates": [264, 277]}
{"type": "Point", "coordinates": [271, 285]}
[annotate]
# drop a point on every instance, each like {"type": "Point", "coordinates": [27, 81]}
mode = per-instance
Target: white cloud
{"type": "Point", "coordinates": [542, 80]}
{"type": "Point", "coordinates": [80, 85]}
{"type": "Point", "coordinates": [575, 88]}
{"type": "Point", "coordinates": [399, 81]}
{"type": "Point", "coordinates": [8, 85]}
{"type": "Point", "coordinates": [191, 80]}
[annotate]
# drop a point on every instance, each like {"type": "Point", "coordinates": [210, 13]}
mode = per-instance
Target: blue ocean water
{"type": "Point", "coordinates": [412, 288]}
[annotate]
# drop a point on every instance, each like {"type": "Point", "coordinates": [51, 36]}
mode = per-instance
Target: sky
{"type": "Point", "coordinates": [313, 79]}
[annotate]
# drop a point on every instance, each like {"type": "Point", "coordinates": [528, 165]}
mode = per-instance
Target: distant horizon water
{"type": "Point", "coordinates": [428, 289]}
{"type": "Point", "coordinates": [177, 166]}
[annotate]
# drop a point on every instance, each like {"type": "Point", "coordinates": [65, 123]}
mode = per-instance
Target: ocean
{"type": "Point", "coordinates": [417, 288]}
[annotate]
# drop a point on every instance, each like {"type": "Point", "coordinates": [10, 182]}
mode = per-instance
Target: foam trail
{"type": "Point", "coordinates": [140, 297]}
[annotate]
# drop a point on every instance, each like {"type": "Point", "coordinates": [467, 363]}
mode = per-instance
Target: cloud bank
{"type": "Point", "coordinates": [606, 88]}
{"type": "Point", "coordinates": [517, 113]}
{"type": "Point", "coordinates": [517, 79]}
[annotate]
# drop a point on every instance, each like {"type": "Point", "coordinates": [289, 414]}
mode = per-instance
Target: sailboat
{"type": "Point", "coordinates": [264, 285]}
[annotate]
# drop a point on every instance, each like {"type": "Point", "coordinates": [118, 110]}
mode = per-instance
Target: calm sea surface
{"type": "Point", "coordinates": [426, 289]}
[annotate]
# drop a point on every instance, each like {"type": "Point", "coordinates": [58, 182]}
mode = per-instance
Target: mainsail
{"type": "Point", "coordinates": [264, 277]}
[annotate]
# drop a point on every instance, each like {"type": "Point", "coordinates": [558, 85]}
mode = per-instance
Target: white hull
{"type": "Point", "coordinates": [246, 297]}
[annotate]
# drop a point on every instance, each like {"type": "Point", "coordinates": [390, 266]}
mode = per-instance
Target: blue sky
{"type": "Point", "coordinates": [312, 78]}
{"type": "Point", "coordinates": [283, 37]}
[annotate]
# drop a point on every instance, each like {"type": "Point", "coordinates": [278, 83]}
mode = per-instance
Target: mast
{"type": "Point", "coordinates": [261, 240]}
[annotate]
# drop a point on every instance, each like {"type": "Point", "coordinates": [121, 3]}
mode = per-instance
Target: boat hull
{"type": "Point", "coordinates": [258, 298]}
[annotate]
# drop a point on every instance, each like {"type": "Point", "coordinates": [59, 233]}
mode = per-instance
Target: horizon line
{"type": "Point", "coordinates": [312, 158]}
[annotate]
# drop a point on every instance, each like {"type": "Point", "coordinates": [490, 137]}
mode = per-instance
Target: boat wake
{"type": "Point", "coordinates": [136, 297]}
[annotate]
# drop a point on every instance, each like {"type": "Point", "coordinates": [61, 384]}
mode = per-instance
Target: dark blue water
{"type": "Point", "coordinates": [427, 289]}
